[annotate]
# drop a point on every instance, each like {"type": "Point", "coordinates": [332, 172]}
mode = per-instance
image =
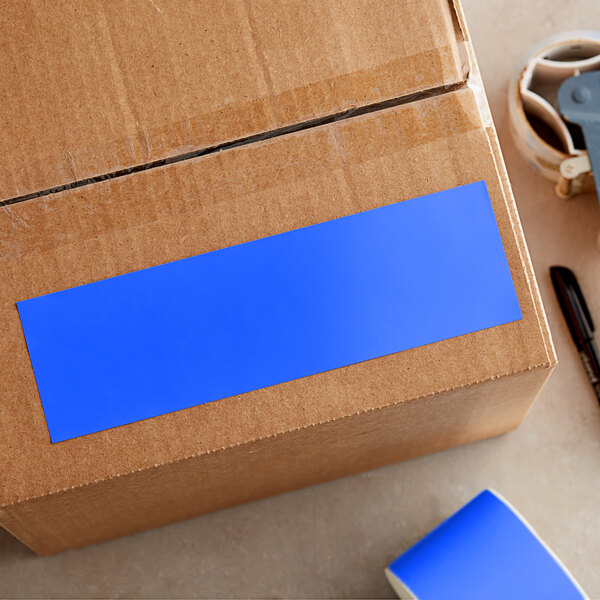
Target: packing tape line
{"type": "Point", "coordinates": [206, 133]}
{"type": "Point", "coordinates": [409, 101]}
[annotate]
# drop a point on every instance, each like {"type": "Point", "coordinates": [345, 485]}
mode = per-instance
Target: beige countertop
{"type": "Point", "coordinates": [334, 540]}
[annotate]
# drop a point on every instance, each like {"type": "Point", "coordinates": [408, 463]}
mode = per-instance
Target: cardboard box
{"type": "Point", "coordinates": [144, 133]}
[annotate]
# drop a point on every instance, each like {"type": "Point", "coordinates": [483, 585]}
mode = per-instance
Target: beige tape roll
{"type": "Point", "coordinates": [553, 147]}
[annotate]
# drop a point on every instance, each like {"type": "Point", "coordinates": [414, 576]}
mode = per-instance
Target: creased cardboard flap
{"type": "Point", "coordinates": [90, 88]}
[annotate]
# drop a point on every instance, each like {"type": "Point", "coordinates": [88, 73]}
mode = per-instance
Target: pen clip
{"type": "Point", "coordinates": [573, 283]}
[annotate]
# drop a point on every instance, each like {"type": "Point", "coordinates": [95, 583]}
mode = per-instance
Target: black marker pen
{"type": "Point", "coordinates": [579, 320]}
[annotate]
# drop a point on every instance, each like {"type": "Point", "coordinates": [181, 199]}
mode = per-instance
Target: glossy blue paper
{"type": "Point", "coordinates": [483, 552]}
{"type": "Point", "coordinates": [268, 311]}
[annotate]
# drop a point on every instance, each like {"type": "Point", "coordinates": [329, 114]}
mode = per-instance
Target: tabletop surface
{"type": "Point", "coordinates": [334, 540]}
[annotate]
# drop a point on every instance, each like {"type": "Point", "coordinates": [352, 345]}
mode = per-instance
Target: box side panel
{"type": "Point", "coordinates": [525, 256]}
{"type": "Point", "coordinates": [106, 229]}
{"type": "Point", "coordinates": [474, 81]}
{"type": "Point", "coordinates": [90, 88]}
{"type": "Point", "coordinates": [210, 482]}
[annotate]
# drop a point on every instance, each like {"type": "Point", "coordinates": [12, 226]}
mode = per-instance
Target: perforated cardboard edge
{"type": "Point", "coordinates": [547, 365]}
{"type": "Point", "coordinates": [28, 521]}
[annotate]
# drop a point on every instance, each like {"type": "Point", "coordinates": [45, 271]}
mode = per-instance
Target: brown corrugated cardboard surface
{"type": "Point", "coordinates": [94, 87]}
{"type": "Point", "coordinates": [204, 458]}
{"type": "Point", "coordinates": [272, 465]}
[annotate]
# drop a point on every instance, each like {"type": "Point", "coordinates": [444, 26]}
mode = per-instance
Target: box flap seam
{"type": "Point", "coordinates": [305, 125]}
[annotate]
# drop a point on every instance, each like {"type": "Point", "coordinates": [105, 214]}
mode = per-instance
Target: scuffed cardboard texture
{"type": "Point", "coordinates": [178, 465]}
{"type": "Point", "coordinates": [94, 87]}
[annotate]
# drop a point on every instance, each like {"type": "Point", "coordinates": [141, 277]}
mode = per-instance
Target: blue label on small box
{"type": "Point", "coordinates": [268, 311]}
{"type": "Point", "coordinates": [485, 551]}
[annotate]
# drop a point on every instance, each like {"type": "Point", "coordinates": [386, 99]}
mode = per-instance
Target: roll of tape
{"type": "Point", "coordinates": [552, 146]}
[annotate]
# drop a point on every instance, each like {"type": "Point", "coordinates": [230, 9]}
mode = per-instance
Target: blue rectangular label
{"type": "Point", "coordinates": [486, 550]}
{"type": "Point", "coordinates": [268, 311]}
